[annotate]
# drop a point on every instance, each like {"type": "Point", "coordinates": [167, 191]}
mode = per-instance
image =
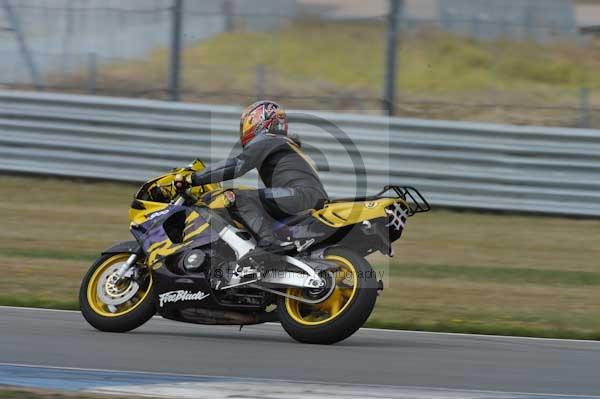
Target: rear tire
{"type": "Point", "coordinates": [304, 323]}
{"type": "Point", "coordinates": [128, 316]}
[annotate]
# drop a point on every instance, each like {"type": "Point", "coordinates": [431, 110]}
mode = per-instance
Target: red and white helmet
{"type": "Point", "coordinates": [260, 118]}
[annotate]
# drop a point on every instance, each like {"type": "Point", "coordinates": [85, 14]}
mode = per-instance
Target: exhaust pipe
{"type": "Point", "coordinates": [223, 317]}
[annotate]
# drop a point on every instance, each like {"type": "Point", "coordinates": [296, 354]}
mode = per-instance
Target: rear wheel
{"type": "Point", "coordinates": [112, 304]}
{"type": "Point", "coordinates": [346, 308]}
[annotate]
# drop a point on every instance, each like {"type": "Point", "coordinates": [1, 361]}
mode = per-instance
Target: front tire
{"type": "Point", "coordinates": [343, 312]}
{"type": "Point", "coordinates": [115, 306]}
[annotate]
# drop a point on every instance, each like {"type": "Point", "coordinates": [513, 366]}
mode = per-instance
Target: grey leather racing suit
{"type": "Point", "coordinates": [292, 184]}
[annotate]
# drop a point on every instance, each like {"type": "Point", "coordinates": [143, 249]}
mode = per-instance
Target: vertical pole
{"type": "Point", "coordinates": [585, 118]}
{"type": "Point", "coordinates": [228, 15]}
{"type": "Point", "coordinates": [92, 72]}
{"type": "Point", "coordinates": [68, 34]}
{"type": "Point", "coordinates": [22, 43]}
{"type": "Point", "coordinates": [175, 58]}
{"type": "Point", "coordinates": [392, 56]}
{"type": "Point", "coordinates": [530, 21]}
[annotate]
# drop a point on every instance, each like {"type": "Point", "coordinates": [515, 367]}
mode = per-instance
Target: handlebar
{"type": "Point", "coordinates": [183, 189]}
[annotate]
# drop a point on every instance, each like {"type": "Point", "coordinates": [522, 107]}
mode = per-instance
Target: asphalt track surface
{"type": "Point", "coordinates": [374, 357]}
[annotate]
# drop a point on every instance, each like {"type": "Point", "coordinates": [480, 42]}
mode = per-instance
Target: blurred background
{"type": "Point", "coordinates": [506, 61]}
{"type": "Point", "coordinates": [496, 117]}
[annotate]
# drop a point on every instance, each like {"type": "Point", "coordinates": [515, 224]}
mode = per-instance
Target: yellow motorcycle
{"type": "Point", "coordinates": [183, 262]}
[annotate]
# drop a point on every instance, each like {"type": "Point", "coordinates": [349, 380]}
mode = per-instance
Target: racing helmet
{"type": "Point", "coordinates": [262, 117]}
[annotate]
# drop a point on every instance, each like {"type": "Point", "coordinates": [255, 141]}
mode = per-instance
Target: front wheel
{"type": "Point", "coordinates": [343, 312]}
{"type": "Point", "coordinates": [112, 304]}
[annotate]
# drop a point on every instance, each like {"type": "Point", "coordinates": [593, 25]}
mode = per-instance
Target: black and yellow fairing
{"type": "Point", "coordinates": [362, 225]}
{"type": "Point", "coordinates": [152, 203]}
{"type": "Point", "coordinates": [153, 199]}
{"type": "Point", "coordinates": [164, 245]}
{"type": "Point", "coordinates": [156, 194]}
{"type": "Point", "coordinates": [343, 214]}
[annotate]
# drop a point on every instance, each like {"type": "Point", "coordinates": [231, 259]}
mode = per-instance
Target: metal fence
{"type": "Point", "coordinates": [68, 37]}
{"type": "Point", "coordinates": [319, 54]}
{"type": "Point", "coordinates": [541, 21]}
{"type": "Point", "coordinates": [462, 165]}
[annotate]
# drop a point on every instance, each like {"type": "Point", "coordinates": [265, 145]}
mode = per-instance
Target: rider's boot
{"type": "Point", "coordinates": [264, 252]}
{"type": "Point", "coordinates": [253, 215]}
{"type": "Point", "coordinates": [247, 266]}
{"type": "Point", "coordinates": [268, 248]}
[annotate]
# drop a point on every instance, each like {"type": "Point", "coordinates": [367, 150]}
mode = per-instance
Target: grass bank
{"type": "Point", "coordinates": [454, 271]}
{"type": "Point", "coordinates": [338, 65]}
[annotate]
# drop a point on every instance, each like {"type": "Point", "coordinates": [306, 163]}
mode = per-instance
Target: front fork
{"type": "Point", "coordinates": [126, 270]}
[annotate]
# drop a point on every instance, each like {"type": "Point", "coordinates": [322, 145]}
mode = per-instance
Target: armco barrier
{"type": "Point", "coordinates": [454, 164]}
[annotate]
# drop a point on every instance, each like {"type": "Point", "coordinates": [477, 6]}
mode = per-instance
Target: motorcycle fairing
{"type": "Point", "coordinates": [156, 194]}
{"type": "Point", "coordinates": [342, 214]}
{"type": "Point", "coordinates": [158, 239]}
{"type": "Point", "coordinates": [363, 225]}
{"type": "Point", "coordinates": [130, 247]}
{"type": "Point", "coordinates": [140, 211]}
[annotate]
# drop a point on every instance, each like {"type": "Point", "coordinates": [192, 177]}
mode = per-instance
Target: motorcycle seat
{"type": "Point", "coordinates": [355, 199]}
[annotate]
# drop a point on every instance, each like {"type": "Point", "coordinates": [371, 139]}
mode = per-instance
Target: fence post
{"type": "Point", "coordinates": [92, 72]}
{"type": "Point", "coordinates": [392, 56]}
{"type": "Point", "coordinates": [175, 56]}
{"type": "Point", "coordinates": [15, 27]}
{"type": "Point", "coordinates": [228, 14]}
{"type": "Point", "coordinates": [68, 34]}
{"type": "Point", "coordinates": [585, 118]}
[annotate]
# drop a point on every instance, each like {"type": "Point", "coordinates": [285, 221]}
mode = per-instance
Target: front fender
{"type": "Point", "coordinates": [128, 247]}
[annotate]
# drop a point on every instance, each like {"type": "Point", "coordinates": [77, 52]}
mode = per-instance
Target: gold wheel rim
{"type": "Point", "coordinates": [103, 309]}
{"type": "Point", "coordinates": [334, 305]}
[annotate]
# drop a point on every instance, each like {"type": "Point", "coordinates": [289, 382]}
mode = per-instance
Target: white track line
{"type": "Point", "coordinates": [383, 330]}
{"type": "Point", "coordinates": [267, 380]}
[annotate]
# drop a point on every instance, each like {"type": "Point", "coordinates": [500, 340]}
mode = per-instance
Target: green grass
{"type": "Point", "coordinates": [499, 275]}
{"type": "Point", "coordinates": [47, 254]}
{"type": "Point", "coordinates": [345, 59]}
{"type": "Point", "coordinates": [350, 55]}
{"type": "Point", "coordinates": [454, 271]}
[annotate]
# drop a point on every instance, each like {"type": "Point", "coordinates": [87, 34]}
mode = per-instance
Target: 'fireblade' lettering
{"type": "Point", "coordinates": [180, 295]}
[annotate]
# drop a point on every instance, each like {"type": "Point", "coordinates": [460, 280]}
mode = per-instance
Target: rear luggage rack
{"type": "Point", "coordinates": [415, 200]}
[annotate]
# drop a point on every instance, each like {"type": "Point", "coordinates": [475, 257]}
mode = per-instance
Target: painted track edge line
{"type": "Point", "coordinates": [464, 335]}
{"type": "Point", "coordinates": [415, 387]}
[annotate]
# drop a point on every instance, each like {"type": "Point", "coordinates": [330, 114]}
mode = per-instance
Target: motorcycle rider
{"type": "Point", "coordinates": [292, 184]}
